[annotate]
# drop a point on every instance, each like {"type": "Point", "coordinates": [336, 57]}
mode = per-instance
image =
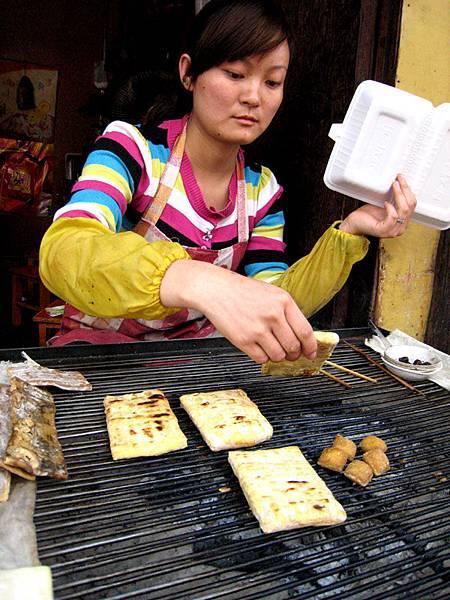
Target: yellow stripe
{"type": "Point", "coordinates": [267, 275]}
{"type": "Point", "coordinates": [108, 175]}
{"type": "Point", "coordinates": [274, 232]}
{"type": "Point", "coordinates": [108, 216]}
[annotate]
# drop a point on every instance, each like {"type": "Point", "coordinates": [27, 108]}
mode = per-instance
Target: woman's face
{"type": "Point", "coordinates": [235, 102]}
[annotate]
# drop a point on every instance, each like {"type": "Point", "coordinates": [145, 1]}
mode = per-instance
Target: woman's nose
{"type": "Point", "coordinates": [250, 93]}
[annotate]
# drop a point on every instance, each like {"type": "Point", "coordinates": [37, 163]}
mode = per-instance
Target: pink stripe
{"type": "Point", "coordinates": [141, 202]}
{"type": "Point", "coordinates": [178, 221]}
{"type": "Point", "coordinates": [99, 186]}
{"type": "Point", "coordinates": [143, 184]}
{"type": "Point", "coordinates": [264, 243]}
{"type": "Point", "coordinates": [131, 147]}
{"type": "Point", "coordinates": [78, 213]}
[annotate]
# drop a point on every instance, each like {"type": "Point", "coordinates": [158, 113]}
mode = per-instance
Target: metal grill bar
{"type": "Point", "coordinates": [160, 527]}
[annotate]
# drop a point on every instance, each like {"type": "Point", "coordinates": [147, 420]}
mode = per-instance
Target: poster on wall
{"type": "Point", "coordinates": [27, 100]}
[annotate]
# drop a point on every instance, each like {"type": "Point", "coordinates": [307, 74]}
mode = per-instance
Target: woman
{"type": "Point", "coordinates": [157, 212]}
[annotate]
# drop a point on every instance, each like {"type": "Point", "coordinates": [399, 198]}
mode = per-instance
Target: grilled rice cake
{"type": "Point", "coordinates": [142, 424]}
{"type": "Point", "coordinates": [326, 343]}
{"type": "Point", "coordinates": [227, 419]}
{"type": "Point", "coordinates": [283, 490]}
{"type": "Point", "coordinates": [33, 447]}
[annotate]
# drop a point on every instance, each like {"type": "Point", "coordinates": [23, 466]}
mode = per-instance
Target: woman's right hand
{"type": "Point", "coordinates": [260, 319]}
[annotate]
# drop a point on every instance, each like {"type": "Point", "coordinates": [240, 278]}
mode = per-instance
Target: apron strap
{"type": "Point", "coordinates": [168, 182]}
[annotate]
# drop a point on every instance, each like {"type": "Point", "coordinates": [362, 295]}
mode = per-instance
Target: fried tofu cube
{"type": "Point", "coordinates": [377, 460]}
{"type": "Point", "coordinates": [359, 472]}
{"type": "Point", "coordinates": [345, 445]}
{"type": "Point", "coordinates": [333, 459]}
{"type": "Point", "coordinates": [371, 442]}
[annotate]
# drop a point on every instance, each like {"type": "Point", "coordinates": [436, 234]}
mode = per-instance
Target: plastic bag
{"type": "Point", "coordinates": [23, 169]}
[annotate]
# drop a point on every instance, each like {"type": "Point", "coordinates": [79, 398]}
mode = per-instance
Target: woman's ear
{"type": "Point", "coordinates": [184, 66]}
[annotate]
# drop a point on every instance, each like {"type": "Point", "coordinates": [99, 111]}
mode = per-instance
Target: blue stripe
{"type": "Point", "coordinates": [251, 176]}
{"type": "Point", "coordinates": [96, 197]}
{"type": "Point", "coordinates": [255, 268]}
{"type": "Point", "coordinates": [159, 152]}
{"type": "Point", "coordinates": [111, 160]}
{"type": "Point", "coordinates": [271, 220]}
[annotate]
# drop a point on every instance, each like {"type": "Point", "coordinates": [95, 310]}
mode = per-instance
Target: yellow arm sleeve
{"type": "Point", "coordinates": [314, 279]}
{"type": "Point", "coordinates": [106, 274]}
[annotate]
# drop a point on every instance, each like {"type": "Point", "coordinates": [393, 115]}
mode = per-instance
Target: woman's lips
{"type": "Point", "coordinates": [246, 120]}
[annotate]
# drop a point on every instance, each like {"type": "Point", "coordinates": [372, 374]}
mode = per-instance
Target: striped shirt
{"type": "Point", "coordinates": [121, 176]}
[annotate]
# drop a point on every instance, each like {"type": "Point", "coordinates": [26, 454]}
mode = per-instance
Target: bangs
{"type": "Point", "coordinates": [237, 31]}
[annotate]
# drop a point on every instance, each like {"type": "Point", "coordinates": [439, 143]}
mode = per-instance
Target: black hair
{"type": "Point", "coordinates": [224, 30]}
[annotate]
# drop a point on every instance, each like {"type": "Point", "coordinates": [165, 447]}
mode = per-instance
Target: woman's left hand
{"type": "Point", "coordinates": [383, 222]}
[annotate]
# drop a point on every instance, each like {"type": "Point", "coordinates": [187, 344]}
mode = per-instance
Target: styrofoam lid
{"type": "Point", "coordinates": [387, 131]}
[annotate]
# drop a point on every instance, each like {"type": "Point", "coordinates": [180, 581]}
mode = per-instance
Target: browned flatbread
{"type": "Point", "coordinates": [326, 343]}
{"type": "Point", "coordinates": [33, 446]}
{"type": "Point", "coordinates": [227, 419]}
{"type": "Point", "coordinates": [283, 490]}
{"type": "Point", "coordinates": [142, 424]}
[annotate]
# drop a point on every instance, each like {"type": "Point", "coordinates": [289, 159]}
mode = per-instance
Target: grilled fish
{"type": "Point", "coordinates": [33, 446]}
{"type": "Point", "coordinates": [41, 376]}
{"type": "Point", "coordinates": [5, 419]}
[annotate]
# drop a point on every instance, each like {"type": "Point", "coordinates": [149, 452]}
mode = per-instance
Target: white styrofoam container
{"type": "Point", "coordinates": [387, 131]}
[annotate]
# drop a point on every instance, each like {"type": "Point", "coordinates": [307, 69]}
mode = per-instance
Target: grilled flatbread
{"type": "Point", "coordinates": [227, 419]}
{"type": "Point", "coordinates": [5, 482]}
{"type": "Point", "coordinates": [326, 343]}
{"type": "Point", "coordinates": [142, 424]}
{"type": "Point", "coordinates": [283, 490]}
{"type": "Point", "coordinates": [33, 446]}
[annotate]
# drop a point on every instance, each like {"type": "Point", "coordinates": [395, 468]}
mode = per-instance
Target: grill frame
{"type": "Point", "coordinates": [159, 528]}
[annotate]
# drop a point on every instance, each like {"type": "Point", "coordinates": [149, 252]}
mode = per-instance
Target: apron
{"type": "Point", "coordinates": [186, 323]}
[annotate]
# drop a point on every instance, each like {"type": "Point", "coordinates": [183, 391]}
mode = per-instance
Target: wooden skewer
{"type": "Point", "coordinates": [355, 373]}
{"type": "Point", "coordinates": [344, 383]}
{"type": "Point", "coordinates": [377, 364]}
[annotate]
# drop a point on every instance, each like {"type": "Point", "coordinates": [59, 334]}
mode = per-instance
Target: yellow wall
{"type": "Point", "coordinates": [407, 264]}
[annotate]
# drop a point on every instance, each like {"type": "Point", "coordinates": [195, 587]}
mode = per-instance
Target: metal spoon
{"type": "Point", "coordinates": [382, 337]}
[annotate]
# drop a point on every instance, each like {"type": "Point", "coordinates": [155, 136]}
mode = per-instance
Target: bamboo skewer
{"type": "Point", "coordinates": [344, 383]}
{"type": "Point", "coordinates": [377, 364]}
{"type": "Point", "coordinates": [355, 373]}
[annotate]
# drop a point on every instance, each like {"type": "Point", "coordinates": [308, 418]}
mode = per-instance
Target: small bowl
{"type": "Point", "coordinates": [394, 353]}
{"type": "Point", "coordinates": [410, 371]}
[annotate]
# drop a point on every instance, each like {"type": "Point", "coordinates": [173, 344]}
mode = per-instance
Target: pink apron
{"type": "Point", "coordinates": [186, 323]}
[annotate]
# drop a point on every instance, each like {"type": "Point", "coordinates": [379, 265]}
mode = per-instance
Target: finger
{"type": "Point", "coordinates": [272, 347]}
{"type": "Point", "coordinates": [256, 353]}
{"type": "Point", "coordinates": [287, 339]}
{"type": "Point", "coordinates": [302, 330]}
{"type": "Point", "coordinates": [401, 203]}
{"type": "Point", "coordinates": [393, 225]}
{"type": "Point", "coordinates": [407, 192]}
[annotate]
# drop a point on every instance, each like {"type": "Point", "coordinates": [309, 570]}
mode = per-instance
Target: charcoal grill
{"type": "Point", "coordinates": [178, 526]}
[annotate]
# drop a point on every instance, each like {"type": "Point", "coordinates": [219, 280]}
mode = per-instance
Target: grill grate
{"type": "Point", "coordinates": [161, 528]}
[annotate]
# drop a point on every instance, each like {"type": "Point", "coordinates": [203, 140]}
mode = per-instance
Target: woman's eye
{"type": "Point", "coordinates": [234, 75]}
{"type": "Point", "coordinates": [273, 84]}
